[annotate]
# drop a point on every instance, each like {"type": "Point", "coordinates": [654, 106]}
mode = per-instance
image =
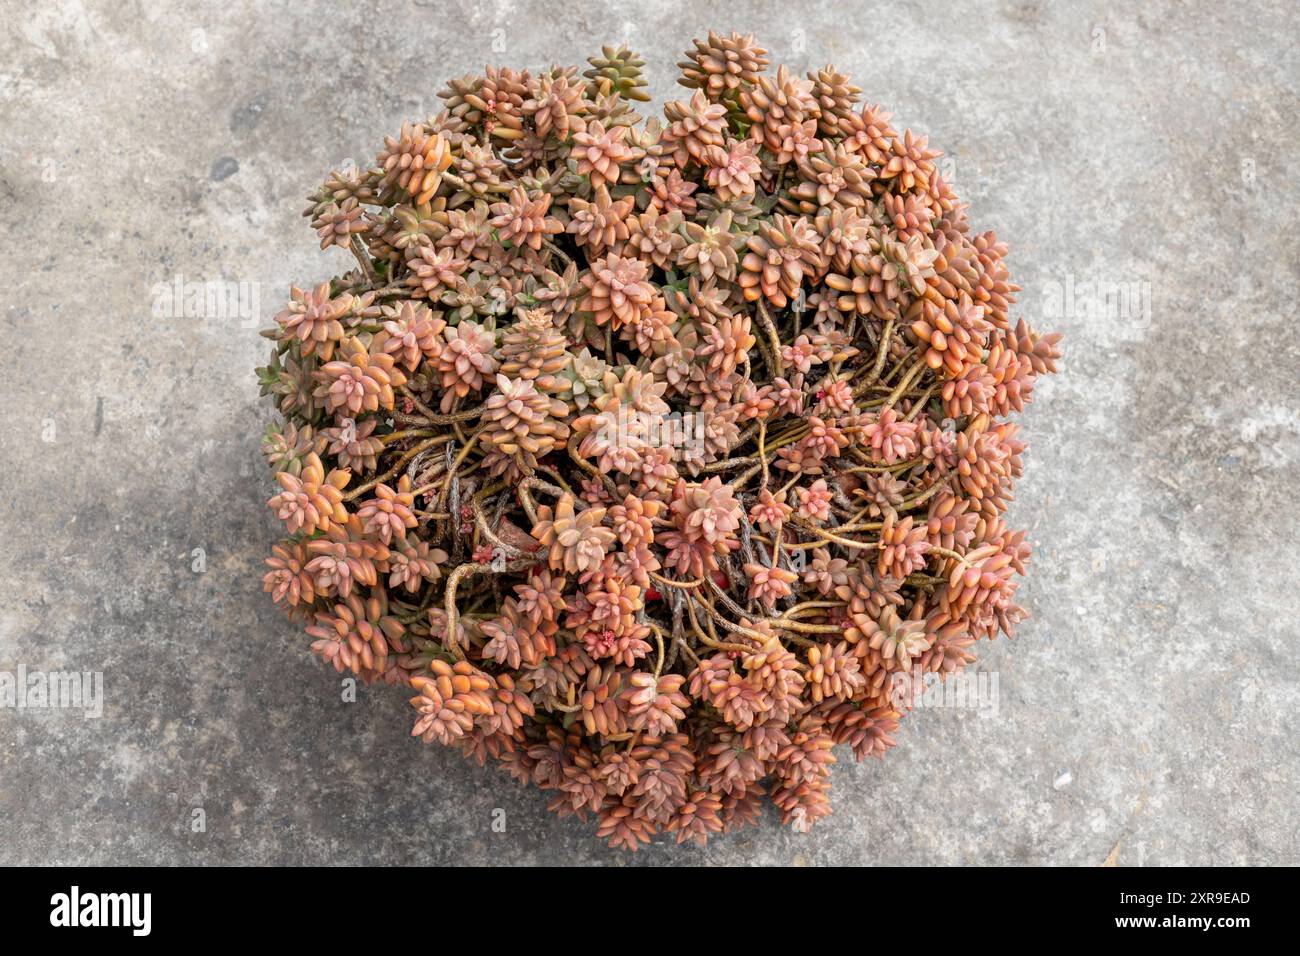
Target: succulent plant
{"type": "Point", "coordinates": [650, 455]}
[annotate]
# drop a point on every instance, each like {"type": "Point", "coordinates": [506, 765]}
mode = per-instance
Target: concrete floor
{"type": "Point", "coordinates": [1146, 714]}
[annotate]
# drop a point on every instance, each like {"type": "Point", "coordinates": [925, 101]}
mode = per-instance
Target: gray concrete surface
{"type": "Point", "coordinates": [1147, 712]}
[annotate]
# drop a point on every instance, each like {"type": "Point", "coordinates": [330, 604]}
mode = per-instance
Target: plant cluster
{"type": "Point", "coordinates": [649, 454]}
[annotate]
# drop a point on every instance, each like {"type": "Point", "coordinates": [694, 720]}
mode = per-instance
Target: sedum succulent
{"type": "Point", "coordinates": [650, 456]}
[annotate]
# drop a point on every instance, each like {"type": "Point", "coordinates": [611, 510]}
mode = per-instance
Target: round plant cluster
{"type": "Point", "coordinates": [656, 458]}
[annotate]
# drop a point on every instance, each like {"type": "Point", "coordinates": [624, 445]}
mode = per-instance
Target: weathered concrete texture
{"type": "Point", "coordinates": [1147, 713]}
